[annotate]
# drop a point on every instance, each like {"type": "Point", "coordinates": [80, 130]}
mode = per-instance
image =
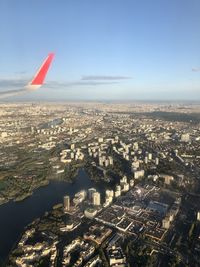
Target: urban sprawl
{"type": "Point", "coordinates": [146, 156]}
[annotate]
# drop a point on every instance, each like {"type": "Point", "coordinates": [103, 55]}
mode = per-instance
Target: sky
{"type": "Point", "coordinates": [105, 49]}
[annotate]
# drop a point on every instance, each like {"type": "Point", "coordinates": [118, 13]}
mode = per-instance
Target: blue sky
{"type": "Point", "coordinates": [105, 49]}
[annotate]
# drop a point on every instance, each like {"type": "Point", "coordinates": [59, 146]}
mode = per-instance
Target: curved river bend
{"type": "Point", "coordinates": [14, 216]}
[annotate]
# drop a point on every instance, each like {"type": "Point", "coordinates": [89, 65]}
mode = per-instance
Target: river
{"type": "Point", "coordinates": [14, 216]}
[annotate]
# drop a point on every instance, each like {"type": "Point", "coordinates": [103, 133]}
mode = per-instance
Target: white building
{"type": "Point", "coordinates": [166, 223]}
{"type": "Point", "coordinates": [185, 137]}
{"type": "Point", "coordinates": [198, 215]}
{"type": "Point", "coordinates": [66, 202]}
{"type": "Point", "coordinates": [96, 197]}
{"type": "Point", "coordinates": [138, 174]}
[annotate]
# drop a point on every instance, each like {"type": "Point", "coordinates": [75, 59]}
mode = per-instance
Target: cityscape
{"type": "Point", "coordinates": [143, 207]}
{"type": "Point", "coordinates": [100, 133]}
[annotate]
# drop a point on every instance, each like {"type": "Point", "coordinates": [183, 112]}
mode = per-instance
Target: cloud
{"type": "Point", "coordinates": [9, 93]}
{"type": "Point", "coordinates": [7, 83]}
{"type": "Point", "coordinates": [12, 87]}
{"type": "Point", "coordinates": [78, 83]}
{"type": "Point", "coordinates": [196, 69]}
{"type": "Point", "coordinates": [21, 72]}
{"type": "Point", "coordinates": [16, 83]}
{"type": "Point", "coordinates": [103, 77]}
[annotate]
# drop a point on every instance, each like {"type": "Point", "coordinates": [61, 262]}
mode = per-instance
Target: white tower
{"type": "Point", "coordinates": [96, 197]}
{"type": "Point", "coordinates": [66, 202]}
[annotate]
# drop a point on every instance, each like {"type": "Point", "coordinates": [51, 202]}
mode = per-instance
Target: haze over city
{"type": "Point", "coordinates": [100, 133]}
{"type": "Point", "coordinates": [105, 50]}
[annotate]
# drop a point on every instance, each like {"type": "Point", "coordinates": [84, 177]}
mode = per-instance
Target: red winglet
{"type": "Point", "coordinates": [41, 74]}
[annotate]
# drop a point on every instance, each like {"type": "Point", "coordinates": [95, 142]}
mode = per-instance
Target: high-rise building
{"type": "Point", "coordinates": [109, 196]}
{"type": "Point", "coordinates": [66, 202]}
{"type": "Point", "coordinates": [198, 215]}
{"type": "Point", "coordinates": [166, 223]}
{"type": "Point", "coordinates": [118, 191]}
{"type": "Point", "coordinates": [91, 191]}
{"type": "Point", "coordinates": [72, 146]}
{"type": "Point", "coordinates": [123, 180]}
{"type": "Point", "coordinates": [118, 188]}
{"type": "Point", "coordinates": [96, 197]}
{"type": "Point", "coordinates": [126, 187]}
{"type": "Point", "coordinates": [138, 174]}
{"type": "Point", "coordinates": [157, 161]}
{"type": "Point", "coordinates": [111, 160]}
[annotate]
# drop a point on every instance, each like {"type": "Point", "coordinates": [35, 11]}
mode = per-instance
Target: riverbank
{"type": "Point", "coordinates": [69, 177]}
{"type": "Point", "coordinates": [15, 216]}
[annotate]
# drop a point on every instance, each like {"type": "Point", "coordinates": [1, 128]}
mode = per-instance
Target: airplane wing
{"type": "Point", "coordinates": [36, 82]}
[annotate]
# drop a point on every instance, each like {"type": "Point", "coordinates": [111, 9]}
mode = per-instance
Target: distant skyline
{"type": "Point", "coordinates": [105, 50]}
